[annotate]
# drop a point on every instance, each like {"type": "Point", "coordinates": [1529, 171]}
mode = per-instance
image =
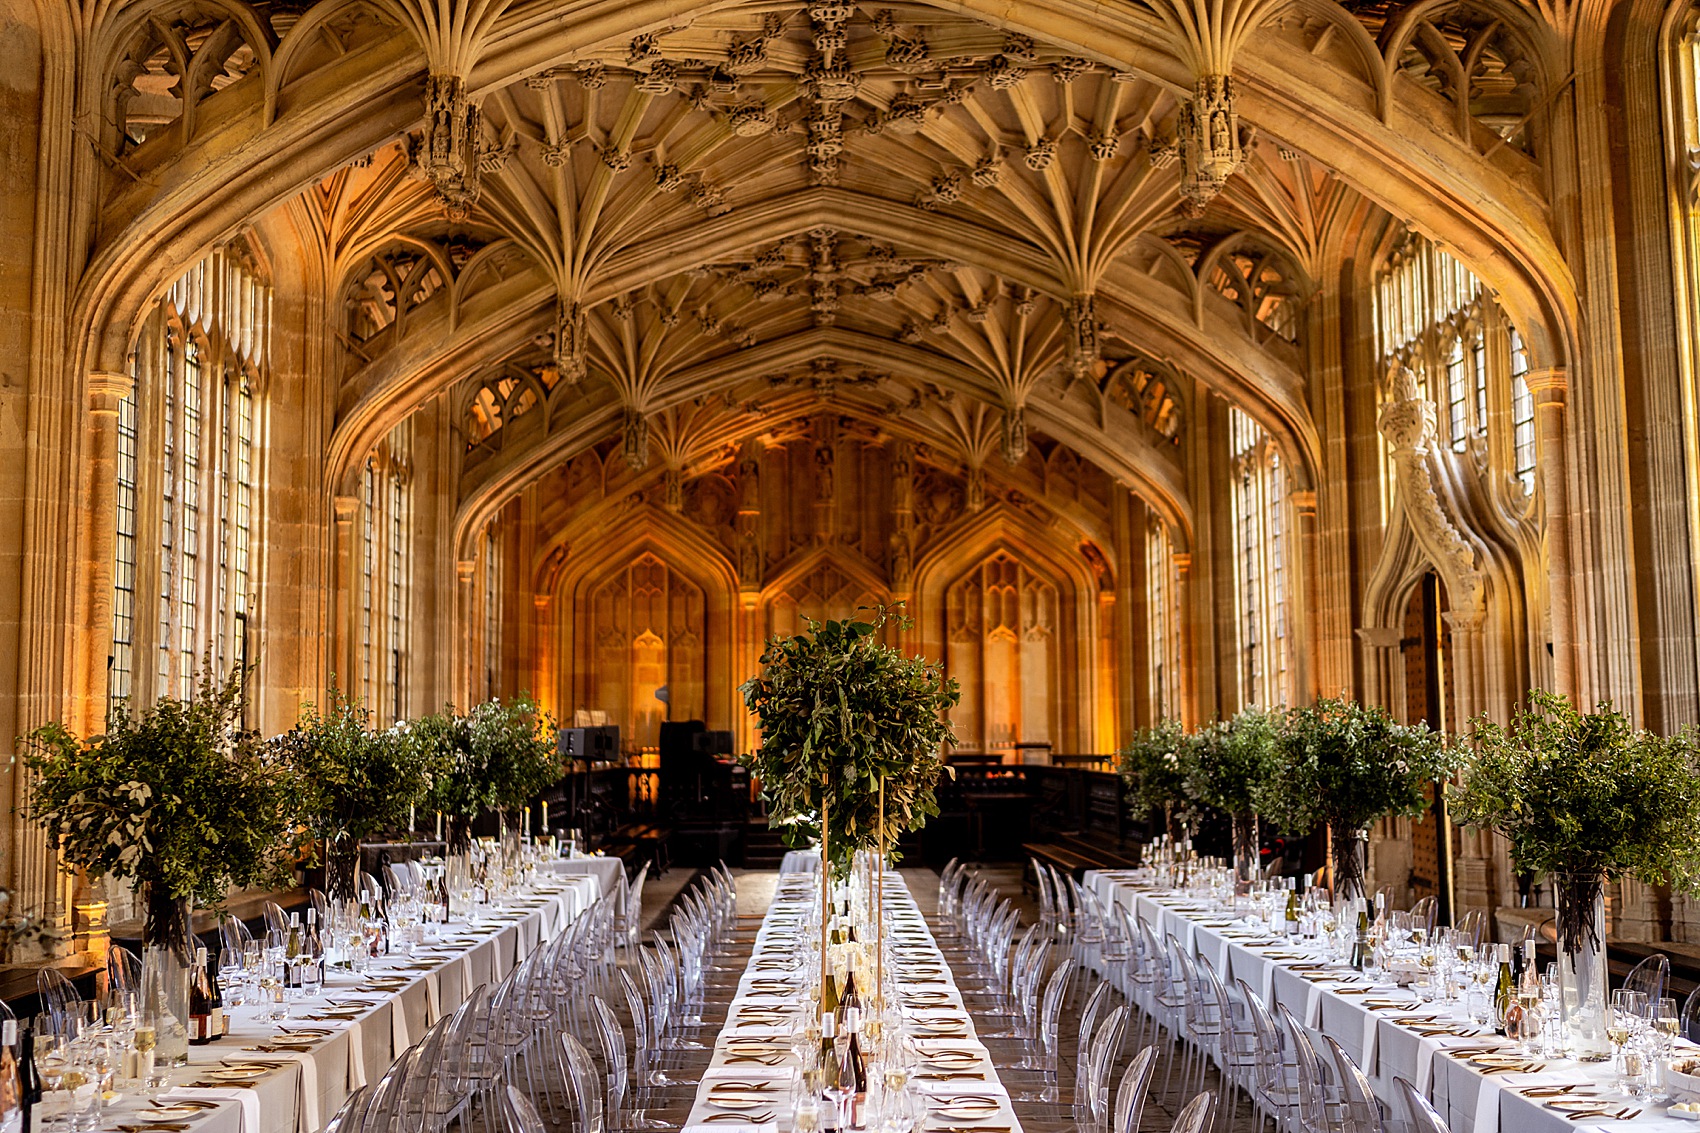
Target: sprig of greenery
{"type": "Point", "coordinates": [1343, 765]}
{"type": "Point", "coordinates": [1225, 763]}
{"type": "Point", "coordinates": [1153, 769]}
{"type": "Point", "coordinates": [180, 797]}
{"type": "Point", "coordinates": [353, 782]}
{"type": "Point", "coordinates": [838, 710]}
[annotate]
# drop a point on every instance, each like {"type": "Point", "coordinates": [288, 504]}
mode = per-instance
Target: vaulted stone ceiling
{"type": "Point", "coordinates": [963, 207]}
{"type": "Point", "coordinates": [634, 221]}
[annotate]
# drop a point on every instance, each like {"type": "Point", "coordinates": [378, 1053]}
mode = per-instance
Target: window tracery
{"type": "Point", "coordinates": [1259, 501]}
{"type": "Point", "coordinates": [386, 574]}
{"type": "Point", "coordinates": [1162, 605]}
{"type": "Point", "coordinates": [188, 436]}
{"type": "Point", "coordinates": [1434, 317]}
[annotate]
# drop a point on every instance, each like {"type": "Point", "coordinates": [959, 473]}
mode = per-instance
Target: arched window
{"type": "Point", "coordinates": [1259, 500]}
{"type": "Point", "coordinates": [188, 438]}
{"type": "Point", "coordinates": [386, 574]}
{"type": "Point", "coordinates": [1434, 316]}
{"type": "Point", "coordinates": [1163, 641]}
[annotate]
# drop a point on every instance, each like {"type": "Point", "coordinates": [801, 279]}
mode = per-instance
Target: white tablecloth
{"type": "Point", "coordinates": [800, 861]}
{"type": "Point", "coordinates": [1328, 1002]}
{"type": "Point", "coordinates": [608, 872]}
{"type": "Point", "coordinates": [768, 997]}
{"type": "Point", "coordinates": [361, 1049]}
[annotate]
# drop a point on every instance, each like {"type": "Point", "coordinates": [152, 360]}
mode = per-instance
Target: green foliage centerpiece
{"type": "Point", "coordinates": [841, 713]}
{"type": "Point", "coordinates": [1585, 798]}
{"type": "Point", "coordinates": [352, 782]}
{"type": "Point", "coordinates": [851, 736]}
{"type": "Point", "coordinates": [180, 799]}
{"type": "Point", "coordinates": [1343, 766]}
{"type": "Point", "coordinates": [1156, 780]}
{"type": "Point", "coordinates": [1224, 766]}
{"type": "Point", "coordinates": [496, 757]}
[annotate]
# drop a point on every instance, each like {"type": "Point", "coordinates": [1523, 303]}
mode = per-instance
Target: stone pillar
{"type": "Point", "coordinates": [467, 622]}
{"type": "Point", "coordinates": [826, 479]}
{"type": "Point", "coordinates": [1384, 669]}
{"type": "Point", "coordinates": [105, 390]}
{"type": "Point", "coordinates": [902, 520]}
{"type": "Point", "coordinates": [1190, 711]}
{"type": "Point", "coordinates": [1548, 388]}
{"type": "Point", "coordinates": [1469, 666]}
{"type": "Point", "coordinates": [344, 641]}
{"type": "Point", "coordinates": [1307, 659]}
{"type": "Point", "coordinates": [545, 678]}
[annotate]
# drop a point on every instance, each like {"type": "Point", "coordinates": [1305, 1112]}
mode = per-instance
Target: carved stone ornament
{"type": "Point", "coordinates": [908, 54]}
{"type": "Point", "coordinates": [1084, 351]}
{"type": "Point", "coordinates": [906, 114]}
{"type": "Point", "coordinates": [1015, 434]}
{"type": "Point", "coordinates": [448, 155]}
{"type": "Point", "coordinates": [1210, 141]}
{"type": "Point", "coordinates": [751, 120]}
{"type": "Point", "coordinates": [1408, 421]}
{"type": "Point", "coordinates": [672, 490]}
{"type": "Point", "coordinates": [570, 342]}
{"type": "Point", "coordinates": [634, 439]}
{"type": "Point", "coordinates": [976, 488]}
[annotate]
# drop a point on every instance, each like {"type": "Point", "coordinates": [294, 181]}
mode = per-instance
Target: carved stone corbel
{"type": "Point", "coordinates": [1408, 421]}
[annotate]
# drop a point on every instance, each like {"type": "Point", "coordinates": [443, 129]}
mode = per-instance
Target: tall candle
{"type": "Point", "coordinates": [545, 818]}
{"type": "Point", "coordinates": [528, 822]}
{"type": "Point", "coordinates": [439, 826]}
{"type": "Point", "coordinates": [411, 827]}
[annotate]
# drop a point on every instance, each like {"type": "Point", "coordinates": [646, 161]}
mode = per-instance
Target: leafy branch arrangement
{"type": "Point", "coordinates": [1152, 769]}
{"type": "Point", "coordinates": [839, 710]}
{"type": "Point", "coordinates": [497, 757]}
{"type": "Point", "coordinates": [351, 782]}
{"type": "Point", "coordinates": [1343, 765]}
{"type": "Point", "coordinates": [179, 798]}
{"type": "Point", "coordinates": [1224, 764]}
{"type": "Point", "coordinates": [1585, 798]}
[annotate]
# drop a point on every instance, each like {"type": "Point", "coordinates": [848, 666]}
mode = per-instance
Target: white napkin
{"type": "Point", "coordinates": [990, 1086]}
{"type": "Point", "coordinates": [735, 1127]}
{"type": "Point", "coordinates": [308, 1116]}
{"type": "Point", "coordinates": [248, 1099]}
{"type": "Point", "coordinates": [433, 997]}
{"type": "Point", "coordinates": [1487, 1103]}
{"type": "Point", "coordinates": [398, 1026]}
{"type": "Point", "coordinates": [356, 1058]}
{"type": "Point", "coordinates": [1426, 1049]}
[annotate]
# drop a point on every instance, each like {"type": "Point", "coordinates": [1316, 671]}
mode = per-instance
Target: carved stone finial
{"type": "Point", "coordinates": [1210, 141]}
{"type": "Point", "coordinates": [448, 154]}
{"type": "Point", "coordinates": [634, 439]}
{"type": "Point", "coordinates": [570, 342]}
{"type": "Point", "coordinates": [1084, 353]}
{"type": "Point", "coordinates": [1015, 434]}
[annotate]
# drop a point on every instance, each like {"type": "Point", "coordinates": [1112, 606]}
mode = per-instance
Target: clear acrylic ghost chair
{"type": "Point", "coordinates": [1196, 1116]}
{"type": "Point", "coordinates": [1424, 1118]}
{"type": "Point", "coordinates": [1319, 1106]}
{"type": "Point", "coordinates": [1650, 976]}
{"type": "Point", "coordinates": [349, 1115]}
{"type": "Point", "coordinates": [1132, 1091]}
{"type": "Point", "coordinates": [1359, 1111]}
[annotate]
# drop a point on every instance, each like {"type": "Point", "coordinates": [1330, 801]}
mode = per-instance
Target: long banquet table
{"type": "Point", "coordinates": [307, 1087]}
{"type": "Point", "coordinates": [1364, 1020]}
{"type": "Point", "coordinates": [753, 1061]}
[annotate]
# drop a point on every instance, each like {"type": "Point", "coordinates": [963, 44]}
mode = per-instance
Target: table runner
{"type": "Point", "coordinates": [359, 1050]}
{"type": "Point", "coordinates": [1471, 1100]}
{"type": "Point", "coordinates": [768, 994]}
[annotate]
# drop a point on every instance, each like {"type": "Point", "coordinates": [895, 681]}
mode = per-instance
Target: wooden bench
{"type": "Point", "coordinates": [637, 843]}
{"type": "Point", "coordinates": [1074, 856]}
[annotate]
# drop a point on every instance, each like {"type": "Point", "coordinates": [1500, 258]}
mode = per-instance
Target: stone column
{"type": "Point", "coordinates": [545, 679]}
{"type": "Point", "coordinates": [1307, 658]}
{"type": "Point", "coordinates": [1384, 668]}
{"type": "Point", "coordinates": [1548, 388]}
{"type": "Point", "coordinates": [1190, 711]}
{"type": "Point", "coordinates": [345, 663]}
{"type": "Point", "coordinates": [105, 390]}
{"type": "Point", "coordinates": [466, 632]}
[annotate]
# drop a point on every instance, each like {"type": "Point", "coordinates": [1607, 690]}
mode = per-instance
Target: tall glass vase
{"type": "Point", "coordinates": [1584, 1004]}
{"type": "Point", "coordinates": [165, 1004]}
{"type": "Point", "coordinates": [1245, 851]}
{"type": "Point", "coordinates": [1350, 846]}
